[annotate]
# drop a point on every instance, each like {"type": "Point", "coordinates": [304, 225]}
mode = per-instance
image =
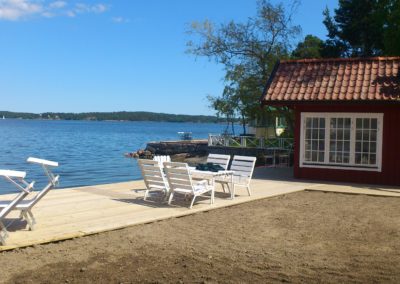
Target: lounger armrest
{"type": "Point", "coordinates": [42, 162]}
{"type": "Point", "coordinates": [15, 174]}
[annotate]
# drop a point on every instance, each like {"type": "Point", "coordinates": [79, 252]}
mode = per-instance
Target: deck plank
{"type": "Point", "coordinates": [74, 212]}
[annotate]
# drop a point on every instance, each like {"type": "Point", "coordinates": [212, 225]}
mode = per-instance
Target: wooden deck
{"type": "Point", "coordinates": [76, 212]}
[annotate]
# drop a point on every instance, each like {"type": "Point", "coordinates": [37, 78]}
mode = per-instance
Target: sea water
{"type": "Point", "coordinates": [89, 152]}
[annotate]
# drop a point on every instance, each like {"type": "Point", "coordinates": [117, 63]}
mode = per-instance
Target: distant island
{"type": "Point", "coordinates": [114, 116]}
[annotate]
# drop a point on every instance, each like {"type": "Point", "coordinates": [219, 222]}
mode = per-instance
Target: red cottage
{"type": "Point", "coordinates": [347, 117]}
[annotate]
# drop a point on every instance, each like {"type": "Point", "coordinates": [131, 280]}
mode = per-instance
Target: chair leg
{"type": "Point", "coordinates": [3, 234]}
{"type": "Point", "coordinates": [145, 195]}
{"type": "Point", "coordinates": [30, 219]}
{"type": "Point", "coordinates": [223, 187]}
{"type": "Point", "coordinates": [191, 204]}
{"type": "Point", "coordinates": [248, 190]}
{"type": "Point", "coordinates": [170, 198]}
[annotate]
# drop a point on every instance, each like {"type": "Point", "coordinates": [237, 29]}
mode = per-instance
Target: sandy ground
{"type": "Point", "coordinates": [301, 237]}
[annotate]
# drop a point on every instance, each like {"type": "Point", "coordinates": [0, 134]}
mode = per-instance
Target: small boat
{"type": "Point", "coordinates": [185, 135]}
{"type": "Point", "coordinates": [4, 117]}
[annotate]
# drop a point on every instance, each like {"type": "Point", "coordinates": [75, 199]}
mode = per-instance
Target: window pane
{"type": "Point", "coordinates": [339, 146]}
{"type": "Point", "coordinates": [339, 134]}
{"type": "Point", "coordinates": [314, 156]}
{"type": "Point", "coordinates": [315, 123]}
{"type": "Point", "coordinates": [322, 123]}
{"type": "Point", "coordinates": [347, 134]}
{"type": "Point", "coordinates": [347, 123]}
{"type": "Point", "coordinates": [358, 158]}
{"type": "Point", "coordinates": [366, 135]}
{"type": "Point", "coordinates": [366, 123]}
{"type": "Point", "coordinates": [333, 122]}
{"type": "Point", "coordinates": [314, 145]}
{"type": "Point", "coordinates": [332, 146]}
{"type": "Point", "coordinates": [321, 133]}
{"type": "Point", "coordinates": [373, 135]}
{"type": "Point", "coordinates": [364, 159]}
{"type": "Point", "coordinates": [374, 123]}
{"type": "Point", "coordinates": [358, 146]}
{"type": "Point", "coordinates": [332, 157]}
{"type": "Point", "coordinates": [359, 123]}
{"type": "Point", "coordinates": [359, 135]}
{"type": "Point", "coordinates": [340, 123]}
{"type": "Point", "coordinates": [372, 147]}
{"type": "Point", "coordinates": [366, 147]}
{"type": "Point", "coordinates": [346, 146]}
{"type": "Point", "coordinates": [321, 157]}
{"type": "Point", "coordinates": [307, 156]}
{"type": "Point", "coordinates": [308, 134]}
{"type": "Point", "coordinates": [372, 159]}
{"type": "Point", "coordinates": [308, 123]}
{"type": "Point", "coordinates": [315, 134]}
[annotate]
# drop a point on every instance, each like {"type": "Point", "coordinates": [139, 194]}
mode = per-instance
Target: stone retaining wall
{"type": "Point", "coordinates": [193, 147]}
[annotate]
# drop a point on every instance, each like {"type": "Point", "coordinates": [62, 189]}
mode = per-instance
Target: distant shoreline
{"type": "Point", "coordinates": [121, 116]}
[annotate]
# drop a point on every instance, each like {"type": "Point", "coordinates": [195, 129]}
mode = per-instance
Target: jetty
{"type": "Point", "coordinates": [81, 211]}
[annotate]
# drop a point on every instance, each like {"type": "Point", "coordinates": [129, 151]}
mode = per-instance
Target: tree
{"type": "Point", "coordinates": [248, 51]}
{"type": "Point", "coordinates": [225, 107]}
{"type": "Point", "coordinates": [363, 28]}
{"type": "Point", "coordinates": [311, 47]}
{"type": "Point", "coordinates": [391, 34]}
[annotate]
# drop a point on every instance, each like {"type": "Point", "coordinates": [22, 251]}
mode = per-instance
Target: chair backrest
{"type": "Point", "coordinates": [178, 176]}
{"type": "Point", "coordinates": [161, 159]}
{"type": "Point", "coordinates": [152, 174]}
{"type": "Point", "coordinates": [243, 165]}
{"type": "Point", "coordinates": [222, 160]}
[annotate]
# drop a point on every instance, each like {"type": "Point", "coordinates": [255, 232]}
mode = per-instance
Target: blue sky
{"type": "Point", "coordinates": [78, 56]}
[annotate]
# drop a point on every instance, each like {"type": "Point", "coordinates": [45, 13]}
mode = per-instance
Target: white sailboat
{"type": "Point", "coordinates": [4, 117]}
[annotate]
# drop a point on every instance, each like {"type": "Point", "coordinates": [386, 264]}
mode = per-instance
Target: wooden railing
{"type": "Point", "coordinates": [250, 142]}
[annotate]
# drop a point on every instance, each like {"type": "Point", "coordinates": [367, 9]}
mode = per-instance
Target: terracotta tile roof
{"type": "Point", "coordinates": [341, 79]}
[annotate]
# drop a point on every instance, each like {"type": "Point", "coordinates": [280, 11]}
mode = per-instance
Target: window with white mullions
{"type": "Point", "coordinates": [315, 139]}
{"type": "Point", "coordinates": [341, 140]}
{"type": "Point", "coordinates": [366, 141]}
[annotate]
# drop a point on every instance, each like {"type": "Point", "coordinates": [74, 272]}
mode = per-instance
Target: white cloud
{"type": "Point", "coordinates": [120, 20]}
{"type": "Point", "coordinates": [14, 10]}
{"type": "Point", "coordinates": [57, 4]}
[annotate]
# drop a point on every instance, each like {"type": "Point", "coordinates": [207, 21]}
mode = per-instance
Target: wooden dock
{"type": "Point", "coordinates": [75, 212]}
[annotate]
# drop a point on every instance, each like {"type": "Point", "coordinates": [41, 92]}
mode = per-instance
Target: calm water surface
{"type": "Point", "coordinates": [89, 152]}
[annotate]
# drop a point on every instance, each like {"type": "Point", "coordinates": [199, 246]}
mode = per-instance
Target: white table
{"type": "Point", "coordinates": [208, 175]}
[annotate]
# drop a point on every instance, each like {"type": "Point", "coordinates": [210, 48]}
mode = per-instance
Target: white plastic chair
{"type": "Point", "coordinates": [161, 159]}
{"type": "Point", "coordinates": [153, 177]}
{"type": "Point", "coordinates": [16, 178]}
{"type": "Point", "coordinates": [180, 182]}
{"type": "Point", "coordinates": [25, 206]}
{"type": "Point", "coordinates": [218, 159]}
{"type": "Point", "coordinates": [243, 167]}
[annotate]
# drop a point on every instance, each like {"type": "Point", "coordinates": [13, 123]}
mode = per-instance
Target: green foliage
{"type": "Point", "coordinates": [363, 28]}
{"type": "Point", "coordinates": [115, 116]}
{"type": "Point", "coordinates": [248, 51]}
{"type": "Point", "coordinates": [311, 47]}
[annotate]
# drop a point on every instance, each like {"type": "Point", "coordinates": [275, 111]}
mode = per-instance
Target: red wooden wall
{"type": "Point", "coordinates": [390, 174]}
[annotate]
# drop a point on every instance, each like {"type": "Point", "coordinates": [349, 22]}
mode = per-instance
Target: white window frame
{"type": "Point", "coordinates": [350, 166]}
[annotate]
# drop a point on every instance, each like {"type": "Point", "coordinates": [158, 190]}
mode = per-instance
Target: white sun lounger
{"type": "Point", "coordinates": [16, 178]}
{"type": "Point", "coordinates": [25, 206]}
